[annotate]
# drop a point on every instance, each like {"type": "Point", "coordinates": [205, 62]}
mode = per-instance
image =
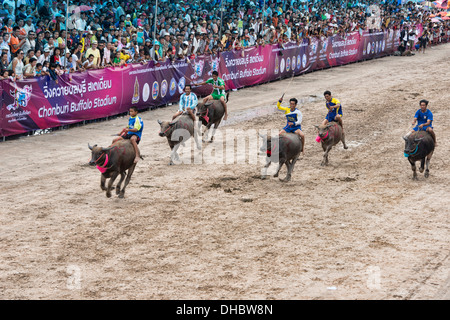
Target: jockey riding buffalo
{"type": "Point", "coordinates": [329, 134]}
{"type": "Point", "coordinates": [284, 149]}
{"type": "Point", "coordinates": [178, 132]}
{"type": "Point", "coordinates": [419, 146]}
{"type": "Point", "coordinates": [210, 113]}
{"type": "Point", "coordinates": [111, 162]}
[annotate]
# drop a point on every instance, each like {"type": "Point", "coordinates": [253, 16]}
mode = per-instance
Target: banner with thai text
{"type": "Point", "coordinates": [41, 102]}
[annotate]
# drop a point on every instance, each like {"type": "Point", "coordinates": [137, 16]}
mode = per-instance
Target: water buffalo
{"type": "Point", "coordinates": [111, 162]}
{"type": "Point", "coordinates": [284, 149]}
{"type": "Point", "coordinates": [210, 113]}
{"type": "Point", "coordinates": [178, 132]}
{"type": "Point", "coordinates": [419, 146]}
{"type": "Point", "coordinates": [330, 135]}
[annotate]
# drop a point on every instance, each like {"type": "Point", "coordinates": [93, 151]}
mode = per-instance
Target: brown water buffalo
{"type": "Point", "coordinates": [111, 162]}
{"type": "Point", "coordinates": [419, 146]}
{"type": "Point", "coordinates": [284, 149]}
{"type": "Point", "coordinates": [210, 114]}
{"type": "Point", "coordinates": [330, 135]}
{"type": "Point", "coordinates": [178, 132]}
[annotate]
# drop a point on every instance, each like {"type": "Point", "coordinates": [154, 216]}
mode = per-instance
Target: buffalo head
{"type": "Point", "coordinates": [411, 145]}
{"type": "Point", "coordinates": [166, 127]}
{"type": "Point", "coordinates": [201, 109]}
{"type": "Point", "coordinates": [97, 153]}
{"type": "Point", "coordinates": [323, 130]}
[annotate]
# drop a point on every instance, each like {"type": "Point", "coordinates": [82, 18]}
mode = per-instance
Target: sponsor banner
{"type": "Point", "coordinates": [41, 103]}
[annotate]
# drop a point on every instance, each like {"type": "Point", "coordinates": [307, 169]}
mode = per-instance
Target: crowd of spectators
{"type": "Point", "coordinates": [114, 33]}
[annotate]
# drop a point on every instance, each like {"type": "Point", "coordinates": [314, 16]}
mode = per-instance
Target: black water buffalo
{"type": "Point", "coordinates": [210, 113]}
{"type": "Point", "coordinates": [111, 162]}
{"type": "Point", "coordinates": [329, 135]}
{"type": "Point", "coordinates": [419, 146]}
{"type": "Point", "coordinates": [178, 132]}
{"type": "Point", "coordinates": [284, 149]}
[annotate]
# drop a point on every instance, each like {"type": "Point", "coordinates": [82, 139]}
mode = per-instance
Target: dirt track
{"type": "Point", "coordinates": [360, 228]}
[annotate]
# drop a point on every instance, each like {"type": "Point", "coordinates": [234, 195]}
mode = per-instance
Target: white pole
{"type": "Point", "coordinates": [221, 20]}
{"type": "Point", "coordinates": [156, 15]}
{"type": "Point", "coordinates": [264, 17]}
{"type": "Point", "coordinates": [65, 41]}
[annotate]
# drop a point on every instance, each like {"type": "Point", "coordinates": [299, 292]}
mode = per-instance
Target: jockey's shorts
{"type": "Point", "coordinates": [216, 96]}
{"type": "Point", "coordinates": [416, 128]}
{"type": "Point", "coordinates": [292, 129]}
{"type": "Point", "coordinates": [128, 136]}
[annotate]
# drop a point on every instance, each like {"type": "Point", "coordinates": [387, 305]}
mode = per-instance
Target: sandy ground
{"type": "Point", "coordinates": [360, 228]}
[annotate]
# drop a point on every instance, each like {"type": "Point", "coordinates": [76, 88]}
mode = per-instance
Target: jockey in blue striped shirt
{"type": "Point", "coordinates": [188, 103]}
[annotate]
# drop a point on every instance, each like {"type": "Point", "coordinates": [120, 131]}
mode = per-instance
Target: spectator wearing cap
{"type": "Point", "coordinates": [4, 45]}
{"type": "Point", "coordinates": [45, 56]}
{"type": "Point", "coordinates": [95, 52]}
{"type": "Point", "coordinates": [155, 52]}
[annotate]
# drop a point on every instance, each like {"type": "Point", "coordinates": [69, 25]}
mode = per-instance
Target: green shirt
{"type": "Point", "coordinates": [219, 83]}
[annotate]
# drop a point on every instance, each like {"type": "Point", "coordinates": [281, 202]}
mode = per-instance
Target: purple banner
{"type": "Point", "coordinates": [41, 103]}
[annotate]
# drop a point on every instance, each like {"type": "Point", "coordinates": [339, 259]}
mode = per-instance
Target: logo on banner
{"type": "Point", "coordinates": [282, 65]}
{"type": "Point", "coordinates": [373, 47]}
{"type": "Point", "coordinates": [304, 61]}
{"type": "Point", "coordinates": [293, 63]}
{"type": "Point", "coordinates": [299, 62]}
{"type": "Point", "coordinates": [163, 88]}
{"type": "Point", "coordinates": [383, 45]}
{"type": "Point", "coordinates": [181, 85]}
{"type": "Point", "coordinates": [21, 97]}
{"type": "Point", "coordinates": [214, 64]}
{"type": "Point", "coordinates": [173, 87]}
{"type": "Point", "coordinates": [155, 90]}
{"type": "Point", "coordinates": [288, 64]}
{"type": "Point", "coordinates": [277, 64]}
{"type": "Point", "coordinates": [198, 68]}
{"type": "Point", "coordinates": [324, 46]}
{"type": "Point", "coordinates": [313, 48]}
{"type": "Point", "coordinates": [135, 98]}
{"type": "Point", "coordinates": [145, 92]}
{"type": "Point", "coordinates": [376, 47]}
{"type": "Point", "coordinates": [368, 48]}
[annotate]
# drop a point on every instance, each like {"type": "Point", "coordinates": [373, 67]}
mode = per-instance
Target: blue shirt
{"type": "Point", "coordinates": [136, 123]}
{"type": "Point", "coordinates": [188, 101]}
{"type": "Point", "coordinates": [423, 117]}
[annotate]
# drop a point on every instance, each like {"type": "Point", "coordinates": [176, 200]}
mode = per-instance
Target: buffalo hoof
{"type": "Point", "coordinates": [117, 190]}
{"type": "Point", "coordinates": [287, 179]}
{"type": "Point", "coordinates": [275, 175]}
{"type": "Point", "coordinates": [263, 177]}
{"type": "Point", "coordinates": [103, 188]}
{"type": "Point", "coordinates": [421, 170]}
{"type": "Point", "coordinates": [108, 194]}
{"type": "Point", "coordinates": [427, 174]}
{"type": "Point", "coordinates": [121, 195]}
